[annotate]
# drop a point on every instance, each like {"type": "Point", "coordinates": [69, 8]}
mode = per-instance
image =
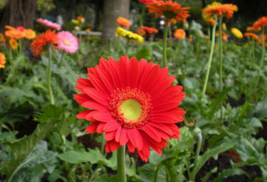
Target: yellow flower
{"type": "Point", "coordinates": [237, 33]}
{"type": "Point", "coordinates": [29, 34]}
{"type": "Point", "coordinates": [128, 35]}
{"type": "Point", "coordinates": [76, 22]}
{"type": "Point", "coordinates": [77, 28]}
{"type": "Point", "coordinates": [2, 60]}
{"type": "Point", "coordinates": [224, 27]}
{"type": "Point", "coordinates": [13, 44]}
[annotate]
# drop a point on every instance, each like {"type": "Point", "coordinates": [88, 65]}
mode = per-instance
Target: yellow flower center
{"type": "Point", "coordinates": [131, 110]}
{"type": "Point", "coordinates": [67, 42]}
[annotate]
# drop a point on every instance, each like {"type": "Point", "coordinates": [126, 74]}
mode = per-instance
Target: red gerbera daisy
{"type": "Point", "coordinates": [262, 22]}
{"type": "Point", "coordinates": [48, 37]}
{"type": "Point", "coordinates": [171, 10]}
{"type": "Point", "coordinates": [131, 102]}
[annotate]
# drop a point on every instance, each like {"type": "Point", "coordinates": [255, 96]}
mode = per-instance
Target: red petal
{"type": "Point", "coordinates": [135, 138]}
{"type": "Point", "coordinates": [111, 126]}
{"type": "Point", "coordinates": [83, 83]}
{"type": "Point", "coordinates": [113, 145]}
{"type": "Point", "coordinates": [92, 127]}
{"type": "Point", "coordinates": [130, 147]}
{"type": "Point", "coordinates": [81, 98]}
{"type": "Point", "coordinates": [94, 105]}
{"type": "Point", "coordinates": [118, 134]}
{"type": "Point", "coordinates": [103, 116]}
{"type": "Point", "coordinates": [100, 127]}
{"type": "Point", "coordinates": [124, 137]}
{"type": "Point", "coordinates": [96, 95]}
{"type": "Point", "coordinates": [152, 132]}
{"type": "Point", "coordinates": [110, 136]}
{"type": "Point", "coordinates": [82, 115]}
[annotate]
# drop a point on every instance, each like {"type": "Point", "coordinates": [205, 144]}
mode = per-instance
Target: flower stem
{"type": "Point", "coordinates": [127, 46]}
{"type": "Point", "coordinates": [20, 47]}
{"type": "Point", "coordinates": [142, 15]}
{"type": "Point", "coordinates": [199, 143]}
{"type": "Point", "coordinates": [221, 53]}
{"type": "Point", "coordinates": [165, 33]}
{"type": "Point", "coordinates": [121, 164]}
{"type": "Point", "coordinates": [210, 58]}
{"type": "Point", "coordinates": [61, 58]}
{"type": "Point", "coordinates": [49, 76]}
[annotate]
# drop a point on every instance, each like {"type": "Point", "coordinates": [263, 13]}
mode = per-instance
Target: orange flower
{"type": "Point", "coordinates": [81, 19]}
{"type": "Point", "coordinates": [150, 30]}
{"type": "Point", "coordinates": [14, 33]}
{"type": "Point", "coordinates": [260, 39]}
{"type": "Point", "coordinates": [2, 60]}
{"type": "Point", "coordinates": [262, 22]}
{"type": "Point", "coordinates": [224, 35]}
{"type": "Point", "coordinates": [171, 10]}
{"type": "Point", "coordinates": [252, 35]}
{"type": "Point", "coordinates": [179, 34]}
{"type": "Point", "coordinates": [207, 37]}
{"type": "Point", "coordinates": [2, 38]}
{"type": "Point", "coordinates": [141, 31]}
{"type": "Point", "coordinates": [123, 22]}
{"type": "Point", "coordinates": [13, 44]}
{"type": "Point", "coordinates": [9, 27]}
{"type": "Point", "coordinates": [46, 38]}
{"type": "Point", "coordinates": [252, 29]}
{"type": "Point", "coordinates": [218, 9]}
{"type": "Point", "coordinates": [88, 30]}
{"type": "Point", "coordinates": [29, 34]}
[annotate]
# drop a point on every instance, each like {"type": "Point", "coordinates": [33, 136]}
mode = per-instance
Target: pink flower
{"type": "Point", "coordinates": [20, 28]}
{"type": "Point", "coordinates": [146, 1]}
{"type": "Point", "coordinates": [67, 42]}
{"type": "Point", "coordinates": [49, 24]}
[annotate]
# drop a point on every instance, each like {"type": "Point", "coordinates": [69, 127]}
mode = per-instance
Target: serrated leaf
{"type": "Point", "coordinates": [229, 172]}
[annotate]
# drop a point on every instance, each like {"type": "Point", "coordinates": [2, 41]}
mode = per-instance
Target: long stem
{"type": "Point", "coordinates": [221, 54]}
{"type": "Point", "coordinates": [20, 46]}
{"type": "Point", "coordinates": [165, 33]}
{"type": "Point", "coordinates": [142, 15]}
{"type": "Point", "coordinates": [61, 58]}
{"type": "Point", "coordinates": [210, 59]}
{"type": "Point", "coordinates": [49, 76]}
{"type": "Point", "coordinates": [121, 164]}
{"type": "Point", "coordinates": [262, 59]}
{"type": "Point", "coordinates": [199, 143]}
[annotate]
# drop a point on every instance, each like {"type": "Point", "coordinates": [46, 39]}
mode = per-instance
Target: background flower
{"type": "Point", "coordinates": [179, 34]}
{"type": "Point", "coordinates": [123, 22]}
{"type": "Point", "coordinates": [2, 60]}
{"type": "Point", "coordinates": [49, 24]}
{"type": "Point", "coordinates": [67, 42]}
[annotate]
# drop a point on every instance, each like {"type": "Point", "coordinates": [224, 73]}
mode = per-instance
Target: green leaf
{"type": "Point", "coordinates": [229, 172]}
{"type": "Point", "coordinates": [209, 174]}
{"type": "Point", "coordinates": [226, 145]}
{"type": "Point", "coordinates": [260, 109]}
{"type": "Point", "coordinates": [220, 98]}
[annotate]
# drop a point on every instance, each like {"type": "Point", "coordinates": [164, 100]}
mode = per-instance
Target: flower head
{"type": "Point", "coordinates": [49, 24]}
{"type": "Point", "coordinates": [224, 27]}
{"type": "Point", "coordinates": [252, 35]}
{"type": "Point", "coordinates": [44, 39]}
{"type": "Point", "coordinates": [253, 29]}
{"type": "Point", "coordinates": [67, 42]}
{"type": "Point", "coordinates": [133, 103]}
{"type": "Point", "coordinates": [20, 28]}
{"type": "Point", "coordinates": [171, 10]}
{"type": "Point", "coordinates": [237, 33]}
{"type": "Point", "coordinates": [218, 9]}
{"type": "Point", "coordinates": [13, 44]}
{"type": "Point", "coordinates": [14, 33]}
{"type": "Point", "coordinates": [150, 30]}
{"type": "Point", "coordinates": [179, 34]}
{"type": "Point", "coordinates": [76, 22]}
{"type": "Point", "coordinates": [146, 1]}
{"type": "Point", "coordinates": [29, 34]}
{"type": "Point", "coordinates": [128, 35]}
{"type": "Point", "coordinates": [2, 60]}
{"type": "Point", "coordinates": [224, 35]}
{"type": "Point", "coordinates": [123, 22]}
{"type": "Point", "coordinates": [262, 22]}
{"type": "Point", "coordinates": [80, 19]}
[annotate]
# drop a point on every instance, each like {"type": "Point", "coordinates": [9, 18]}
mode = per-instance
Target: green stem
{"type": "Point", "coordinates": [20, 47]}
{"type": "Point", "coordinates": [262, 59]}
{"type": "Point", "coordinates": [199, 143]}
{"type": "Point", "coordinates": [121, 164]}
{"type": "Point", "coordinates": [142, 15]}
{"type": "Point", "coordinates": [61, 58]}
{"type": "Point", "coordinates": [49, 76]}
{"type": "Point", "coordinates": [165, 33]}
{"type": "Point", "coordinates": [127, 46]}
{"type": "Point", "coordinates": [221, 54]}
{"type": "Point", "coordinates": [210, 59]}
{"type": "Point", "coordinates": [253, 50]}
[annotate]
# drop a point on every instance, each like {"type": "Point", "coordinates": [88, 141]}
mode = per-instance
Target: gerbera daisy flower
{"type": "Point", "coordinates": [141, 31]}
{"type": "Point", "coordinates": [146, 1]}
{"type": "Point", "coordinates": [67, 42]}
{"type": "Point", "coordinates": [252, 35]}
{"type": "Point", "coordinates": [262, 22]}
{"type": "Point", "coordinates": [2, 60]}
{"type": "Point", "coordinates": [150, 30]}
{"type": "Point", "coordinates": [133, 103]}
{"type": "Point", "coordinates": [237, 33]}
{"type": "Point", "coordinates": [179, 34]}
{"type": "Point", "coordinates": [123, 22]}
{"type": "Point", "coordinates": [46, 38]}
{"type": "Point", "coordinates": [171, 10]}
{"type": "Point", "coordinates": [49, 24]}
{"type": "Point", "coordinates": [29, 34]}
{"type": "Point", "coordinates": [14, 33]}
{"type": "Point", "coordinates": [208, 19]}
{"type": "Point", "coordinates": [128, 35]}
{"type": "Point", "coordinates": [13, 43]}
{"type": "Point", "coordinates": [253, 29]}
{"type": "Point", "coordinates": [218, 9]}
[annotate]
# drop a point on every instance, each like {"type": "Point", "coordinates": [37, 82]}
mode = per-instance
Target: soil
{"type": "Point", "coordinates": [222, 163]}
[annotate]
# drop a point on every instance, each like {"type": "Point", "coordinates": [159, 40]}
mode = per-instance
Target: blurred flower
{"type": "Point", "coordinates": [170, 10]}
{"type": "Point", "coordinates": [252, 35]}
{"type": "Point", "coordinates": [218, 9]}
{"type": "Point", "coordinates": [150, 30]}
{"type": "Point", "coordinates": [9, 27]}
{"type": "Point", "coordinates": [208, 19]}
{"type": "Point", "coordinates": [179, 34]}
{"type": "Point", "coordinates": [128, 35]}
{"type": "Point", "coordinates": [207, 37]}
{"type": "Point", "coordinates": [77, 28]}
{"type": "Point", "coordinates": [262, 22]}
{"type": "Point", "coordinates": [224, 27]}
{"type": "Point", "coordinates": [237, 33]}
{"type": "Point", "coordinates": [146, 1]}
{"type": "Point", "coordinates": [47, 38]}
{"type": "Point", "coordinates": [29, 34]}
{"type": "Point", "coordinates": [20, 28]}
{"type": "Point", "coordinates": [2, 39]}
{"type": "Point", "coordinates": [123, 22]}
{"type": "Point", "coordinates": [2, 60]}
{"type": "Point", "coordinates": [76, 22]}
{"type": "Point", "coordinates": [186, 25]}
{"type": "Point", "coordinates": [190, 39]}
{"type": "Point", "coordinates": [253, 29]}
{"type": "Point", "coordinates": [14, 33]}
{"type": "Point", "coordinates": [224, 35]}
{"type": "Point", "coordinates": [132, 103]}
{"type": "Point", "coordinates": [141, 31]}
{"type": "Point", "coordinates": [49, 24]}
{"type": "Point", "coordinates": [88, 30]}
{"type": "Point", "coordinates": [260, 38]}
{"type": "Point", "coordinates": [13, 43]}
{"type": "Point", "coordinates": [80, 19]}
{"type": "Point", "coordinates": [67, 42]}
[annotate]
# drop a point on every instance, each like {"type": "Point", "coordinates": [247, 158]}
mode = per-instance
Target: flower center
{"type": "Point", "coordinates": [131, 107]}
{"type": "Point", "coordinates": [67, 42]}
